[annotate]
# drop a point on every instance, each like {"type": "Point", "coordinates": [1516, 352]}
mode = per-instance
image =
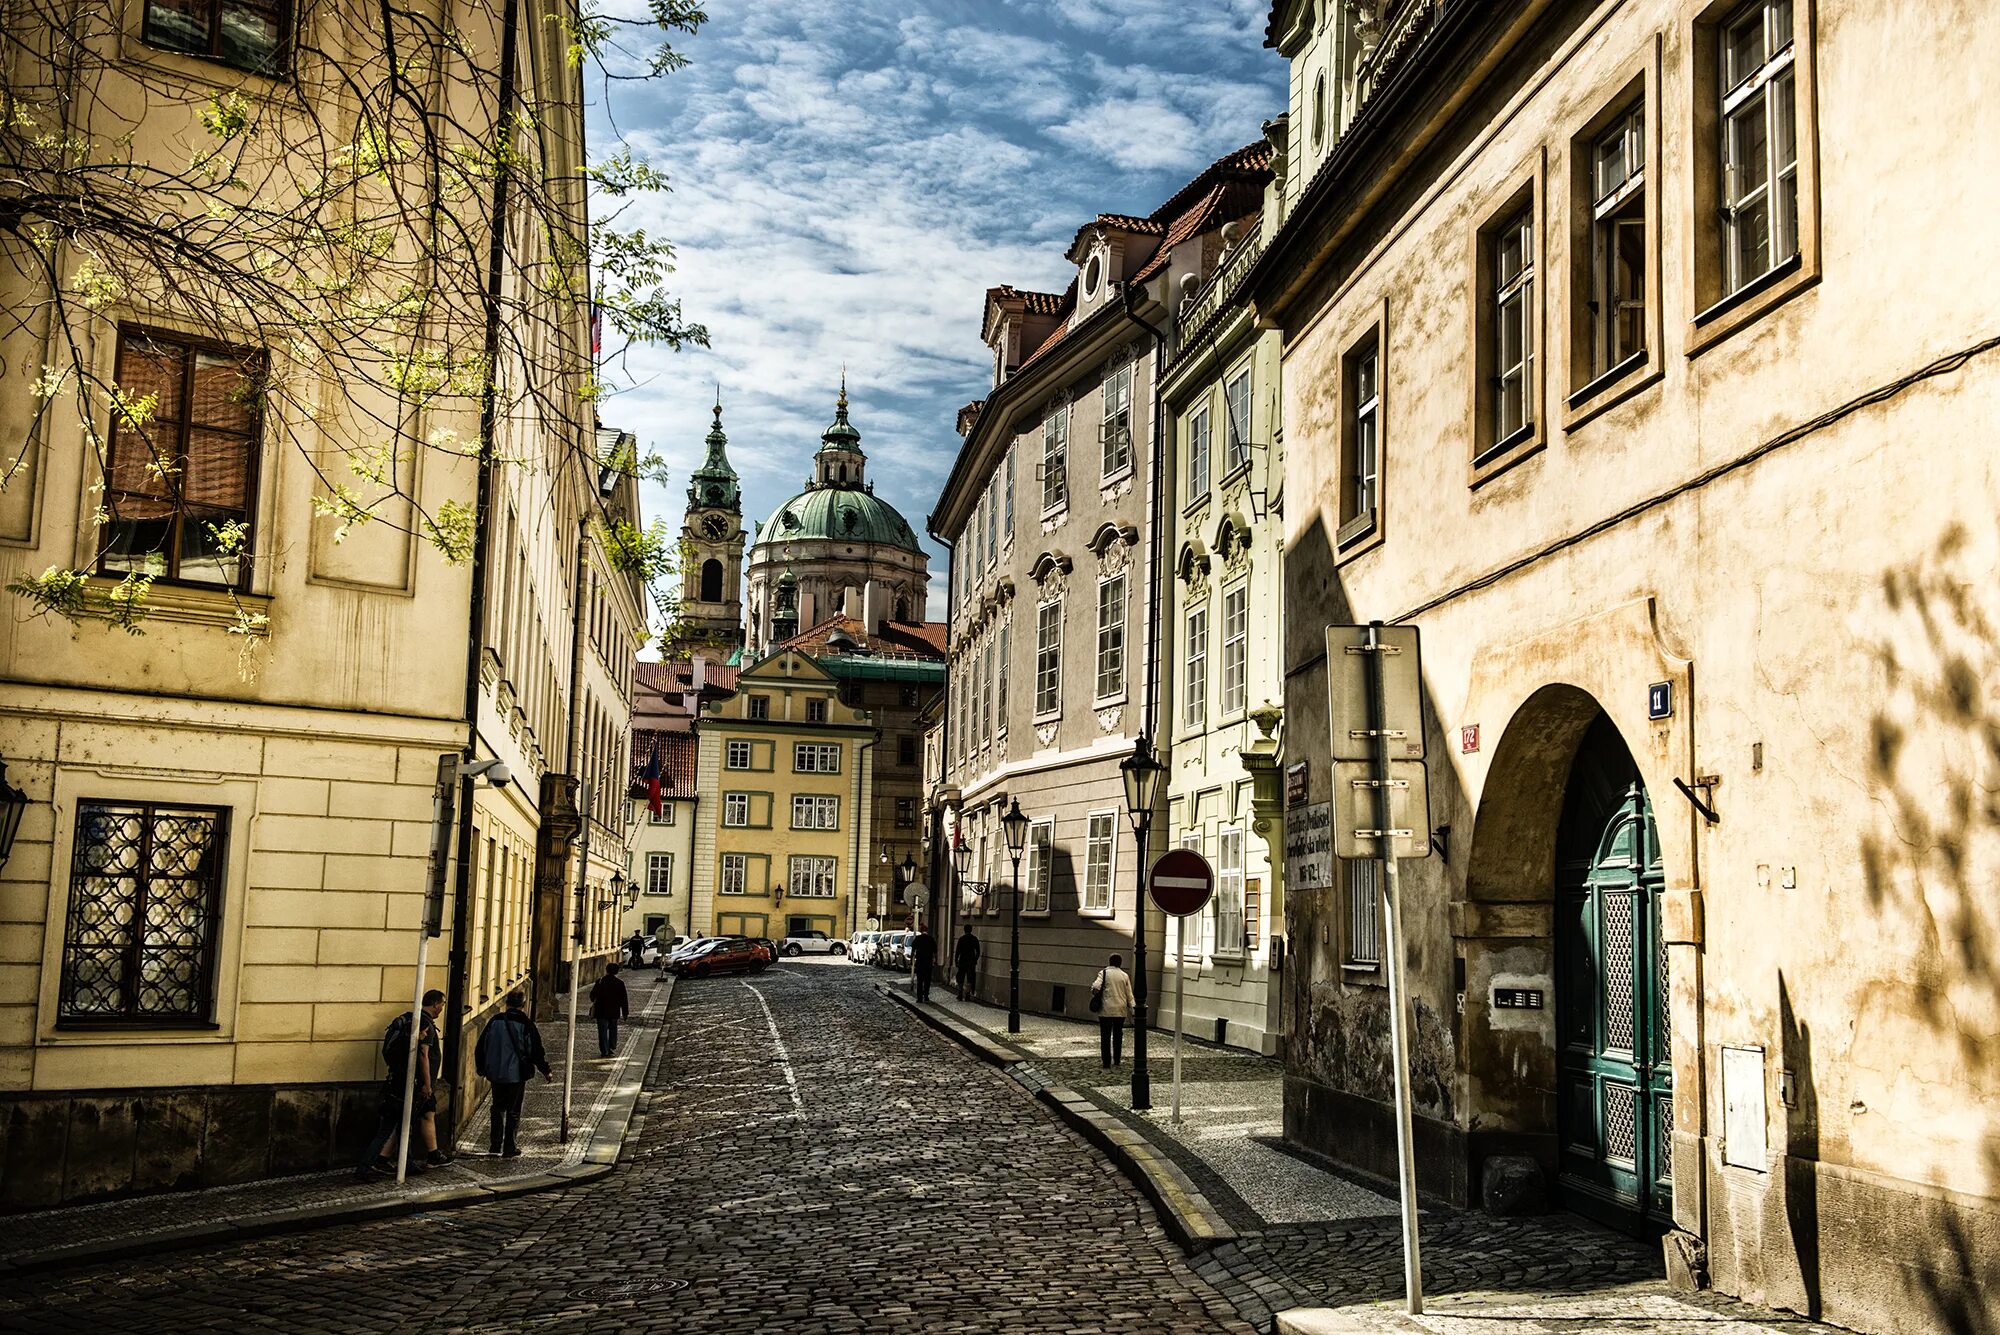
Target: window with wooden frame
{"type": "Point", "coordinates": [816, 757]}
{"type": "Point", "coordinates": [1100, 861]}
{"type": "Point", "coordinates": [253, 35]}
{"type": "Point", "coordinates": [1613, 250]}
{"type": "Point", "coordinates": [1236, 412]}
{"type": "Point", "coordinates": [1194, 690]}
{"type": "Point", "coordinates": [735, 874]}
{"type": "Point", "coordinates": [181, 484]}
{"type": "Point", "coordinates": [1228, 901]}
{"type": "Point", "coordinates": [1055, 458]}
{"type": "Point", "coordinates": [816, 709]}
{"type": "Point", "coordinates": [1048, 659]}
{"type": "Point", "coordinates": [1007, 491]}
{"type": "Point", "coordinates": [1360, 441]}
{"type": "Point", "coordinates": [659, 873]}
{"type": "Point", "coordinates": [1235, 649]}
{"type": "Point", "coordinates": [1197, 454]}
{"type": "Point", "coordinates": [145, 902]}
{"type": "Point", "coordinates": [1617, 304]}
{"type": "Point", "coordinates": [1507, 380]}
{"type": "Point", "coordinates": [1111, 638]}
{"type": "Point", "coordinates": [1039, 875]}
{"type": "Point", "coordinates": [759, 707]}
{"type": "Point", "coordinates": [1000, 678]}
{"type": "Point", "coordinates": [813, 811]}
{"type": "Point", "coordinates": [811, 877]}
{"type": "Point", "coordinates": [1117, 430]}
{"type": "Point", "coordinates": [736, 754]}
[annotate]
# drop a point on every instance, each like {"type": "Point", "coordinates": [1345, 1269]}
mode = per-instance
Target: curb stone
{"type": "Point", "coordinates": [599, 1160]}
{"type": "Point", "coordinates": [1184, 1211]}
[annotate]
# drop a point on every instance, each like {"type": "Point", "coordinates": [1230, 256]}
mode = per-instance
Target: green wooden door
{"type": "Point", "coordinates": [1615, 1080]}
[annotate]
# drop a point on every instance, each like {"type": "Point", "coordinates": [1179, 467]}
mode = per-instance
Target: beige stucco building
{"type": "Point", "coordinates": [1682, 338]}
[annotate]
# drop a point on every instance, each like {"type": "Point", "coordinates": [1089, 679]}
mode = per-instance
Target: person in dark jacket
{"type": "Point", "coordinates": [609, 1005]}
{"type": "Point", "coordinates": [966, 957]}
{"type": "Point", "coordinates": [923, 961]}
{"type": "Point", "coordinates": [510, 1048]}
{"type": "Point", "coordinates": [635, 949]}
{"type": "Point", "coordinates": [423, 1115]}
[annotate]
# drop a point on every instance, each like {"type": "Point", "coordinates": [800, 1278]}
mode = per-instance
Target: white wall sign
{"type": "Point", "coordinates": [1309, 847]}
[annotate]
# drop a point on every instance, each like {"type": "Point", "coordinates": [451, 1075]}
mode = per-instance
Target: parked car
{"type": "Point", "coordinates": [812, 943]}
{"type": "Point", "coordinates": [724, 954]}
{"type": "Point", "coordinates": [894, 952]}
{"type": "Point", "coordinates": [862, 946]}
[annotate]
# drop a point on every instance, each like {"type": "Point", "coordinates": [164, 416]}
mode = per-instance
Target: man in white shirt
{"type": "Point", "coordinates": [1113, 992]}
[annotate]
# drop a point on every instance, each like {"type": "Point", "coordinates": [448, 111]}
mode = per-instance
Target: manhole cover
{"type": "Point", "coordinates": [618, 1289]}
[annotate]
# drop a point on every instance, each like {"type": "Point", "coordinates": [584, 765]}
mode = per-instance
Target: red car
{"type": "Point", "coordinates": [724, 954]}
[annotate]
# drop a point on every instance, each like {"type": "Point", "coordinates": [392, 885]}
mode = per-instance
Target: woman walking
{"type": "Point", "coordinates": [1111, 998]}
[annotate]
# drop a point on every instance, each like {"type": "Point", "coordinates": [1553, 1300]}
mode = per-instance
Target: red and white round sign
{"type": "Point", "coordinates": [1181, 882]}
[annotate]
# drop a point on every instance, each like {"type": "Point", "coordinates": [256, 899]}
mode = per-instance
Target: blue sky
{"type": "Point", "coordinates": [849, 176]}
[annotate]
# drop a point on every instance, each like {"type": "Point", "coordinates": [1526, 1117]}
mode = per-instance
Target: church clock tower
{"type": "Point", "coordinates": [712, 534]}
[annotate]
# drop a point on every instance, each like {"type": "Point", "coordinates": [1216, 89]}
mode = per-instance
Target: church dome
{"type": "Point", "coordinates": [838, 514]}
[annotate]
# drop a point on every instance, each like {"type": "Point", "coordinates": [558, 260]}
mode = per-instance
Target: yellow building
{"type": "Point", "coordinates": [782, 846]}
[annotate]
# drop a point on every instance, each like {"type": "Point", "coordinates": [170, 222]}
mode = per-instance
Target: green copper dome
{"type": "Point", "coordinates": [714, 485]}
{"type": "Point", "coordinates": [838, 514]}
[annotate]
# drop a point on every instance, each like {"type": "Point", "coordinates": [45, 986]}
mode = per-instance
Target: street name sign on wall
{"type": "Point", "coordinates": [1347, 688]}
{"type": "Point", "coordinates": [1181, 882]}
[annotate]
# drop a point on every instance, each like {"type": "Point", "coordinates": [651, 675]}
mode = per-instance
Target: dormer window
{"type": "Point", "coordinates": [1093, 276]}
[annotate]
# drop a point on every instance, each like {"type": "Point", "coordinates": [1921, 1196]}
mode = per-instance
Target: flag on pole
{"type": "Point", "coordinates": [651, 774]}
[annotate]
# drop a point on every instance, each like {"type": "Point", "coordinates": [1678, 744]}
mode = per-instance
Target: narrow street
{"type": "Point", "coordinates": [810, 1158]}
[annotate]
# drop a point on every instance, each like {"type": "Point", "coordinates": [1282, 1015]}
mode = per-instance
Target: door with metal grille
{"type": "Point", "coordinates": [1615, 1080]}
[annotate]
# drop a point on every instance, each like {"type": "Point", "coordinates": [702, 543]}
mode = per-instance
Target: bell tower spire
{"type": "Point", "coordinates": [840, 462]}
{"type": "Point", "coordinates": [712, 537]}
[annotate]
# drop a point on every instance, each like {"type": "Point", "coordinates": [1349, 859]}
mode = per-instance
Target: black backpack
{"type": "Point", "coordinates": [396, 1041]}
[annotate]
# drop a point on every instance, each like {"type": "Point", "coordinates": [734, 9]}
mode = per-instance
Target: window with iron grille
{"type": "Point", "coordinates": [180, 487]}
{"type": "Point", "coordinates": [1048, 658]}
{"type": "Point", "coordinates": [1055, 458]}
{"type": "Point", "coordinates": [1364, 912]}
{"type": "Point", "coordinates": [811, 878]}
{"type": "Point", "coordinates": [1194, 686]}
{"type": "Point", "coordinates": [1039, 874]}
{"type": "Point", "coordinates": [812, 812]}
{"type": "Point", "coordinates": [735, 873]}
{"type": "Point", "coordinates": [659, 873]}
{"type": "Point", "coordinates": [1513, 351]}
{"type": "Point", "coordinates": [1236, 400]}
{"type": "Point", "coordinates": [145, 897]}
{"type": "Point", "coordinates": [1235, 649]}
{"type": "Point", "coordinates": [816, 757]}
{"type": "Point", "coordinates": [1229, 891]}
{"type": "Point", "coordinates": [1111, 638]}
{"type": "Point", "coordinates": [1197, 465]}
{"type": "Point", "coordinates": [1760, 150]}
{"type": "Point", "coordinates": [736, 755]}
{"type": "Point", "coordinates": [245, 34]}
{"type": "Point", "coordinates": [1100, 861]}
{"type": "Point", "coordinates": [736, 810]}
{"type": "Point", "coordinates": [1118, 421]}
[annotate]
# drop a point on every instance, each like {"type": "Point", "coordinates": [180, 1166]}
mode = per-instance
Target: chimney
{"type": "Point", "coordinates": [850, 602]}
{"type": "Point", "coordinates": [875, 606]}
{"type": "Point", "coordinates": [700, 672]}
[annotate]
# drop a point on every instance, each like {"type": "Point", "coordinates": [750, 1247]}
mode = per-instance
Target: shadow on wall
{"type": "Point", "coordinates": [1931, 861]}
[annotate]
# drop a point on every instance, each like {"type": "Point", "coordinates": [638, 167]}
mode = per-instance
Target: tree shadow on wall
{"type": "Point", "coordinates": [1931, 861]}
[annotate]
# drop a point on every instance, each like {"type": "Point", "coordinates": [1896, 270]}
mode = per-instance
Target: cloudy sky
{"type": "Point", "coordinates": [849, 176]}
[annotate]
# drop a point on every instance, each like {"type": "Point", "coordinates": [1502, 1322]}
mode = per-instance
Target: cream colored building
{"type": "Point", "coordinates": [1682, 321]}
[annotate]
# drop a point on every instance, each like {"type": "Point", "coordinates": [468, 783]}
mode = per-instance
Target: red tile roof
{"type": "Point", "coordinates": [1036, 303]}
{"type": "Point", "coordinates": [899, 639]}
{"type": "Point", "coordinates": [660, 692]}
{"type": "Point", "coordinates": [677, 761]}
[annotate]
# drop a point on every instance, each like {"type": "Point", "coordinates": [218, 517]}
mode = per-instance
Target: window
{"type": "Point", "coordinates": [180, 489]}
{"type": "Point", "coordinates": [1197, 465]}
{"type": "Point", "coordinates": [1000, 679]}
{"type": "Point", "coordinates": [243, 33]}
{"type": "Point", "coordinates": [906, 813]}
{"type": "Point", "coordinates": [1100, 861]}
{"type": "Point", "coordinates": [907, 696]}
{"type": "Point", "coordinates": [1055, 458]}
{"type": "Point", "coordinates": [659, 873]}
{"type": "Point", "coordinates": [986, 692]}
{"type": "Point", "coordinates": [1118, 421]}
{"type": "Point", "coordinates": [664, 816]}
{"type": "Point", "coordinates": [1618, 243]}
{"type": "Point", "coordinates": [906, 751]}
{"type": "Point", "coordinates": [1041, 867]}
{"type": "Point", "coordinates": [736, 755]}
{"type": "Point", "coordinates": [812, 812]}
{"type": "Point", "coordinates": [736, 810]}
{"type": "Point", "coordinates": [1007, 490]}
{"type": "Point", "coordinates": [1048, 658]}
{"type": "Point", "coordinates": [1194, 698]}
{"type": "Point", "coordinates": [1235, 649]}
{"type": "Point", "coordinates": [1236, 402]}
{"type": "Point", "coordinates": [816, 710]}
{"type": "Point", "coordinates": [811, 878]}
{"type": "Point", "coordinates": [145, 896]}
{"type": "Point", "coordinates": [760, 706]}
{"type": "Point", "coordinates": [1111, 638]}
{"type": "Point", "coordinates": [1229, 891]}
{"type": "Point", "coordinates": [1362, 448]}
{"type": "Point", "coordinates": [1364, 910]}
{"type": "Point", "coordinates": [993, 521]}
{"type": "Point", "coordinates": [1512, 344]}
{"type": "Point", "coordinates": [816, 757]}
{"type": "Point", "coordinates": [1760, 152]}
{"type": "Point", "coordinates": [735, 873]}
{"type": "Point", "coordinates": [711, 581]}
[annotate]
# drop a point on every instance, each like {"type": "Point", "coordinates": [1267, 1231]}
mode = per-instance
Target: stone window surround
{"type": "Point", "coordinates": [1357, 533]}
{"type": "Point", "coordinates": [1522, 191]}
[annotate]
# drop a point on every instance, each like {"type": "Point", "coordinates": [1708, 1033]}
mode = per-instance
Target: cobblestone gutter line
{"type": "Point", "coordinates": [606, 1124]}
{"type": "Point", "coordinates": [1185, 1212]}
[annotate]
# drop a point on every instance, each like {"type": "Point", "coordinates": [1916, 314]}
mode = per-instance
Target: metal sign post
{"type": "Point", "coordinates": [1381, 810]}
{"type": "Point", "coordinates": [576, 956]}
{"type": "Point", "coordinates": [1181, 884]}
{"type": "Point", "coordinates": [431, 926]}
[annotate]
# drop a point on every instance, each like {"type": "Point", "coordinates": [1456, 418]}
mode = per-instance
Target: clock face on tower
{"type": "Point", "coordinates": [715, 526]}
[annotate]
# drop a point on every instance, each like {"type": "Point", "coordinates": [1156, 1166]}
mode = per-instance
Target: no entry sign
{"type": "Point", "coordinates": [1181, 882]}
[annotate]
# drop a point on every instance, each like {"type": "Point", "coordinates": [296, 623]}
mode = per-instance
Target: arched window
{"type": "Point", "coordinates": [711, 581]}
{"type": "Point", "coordinates": [902, 607]}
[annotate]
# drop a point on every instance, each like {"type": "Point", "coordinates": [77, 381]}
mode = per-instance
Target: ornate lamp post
{"type": "Point", "coordinates": [1016, 825]}
{"type": "Point", "coordinates": [1141, 771]}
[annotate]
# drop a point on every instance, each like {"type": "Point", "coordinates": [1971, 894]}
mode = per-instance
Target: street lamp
{"type": "Point", "coordinates": [13, 805]}
{"type": "Point", "coordinates": [1016, 825]}
{"type": "Point", "coordinates": [1141, 771]}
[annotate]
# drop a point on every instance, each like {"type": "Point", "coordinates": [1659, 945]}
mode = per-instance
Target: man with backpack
{"type": "Point", "coordinates": [609, 1004]}
{"type": "Point", "coordinates": [510, 1047]}
{"type": "Point", "coordinates": [423, 1111]}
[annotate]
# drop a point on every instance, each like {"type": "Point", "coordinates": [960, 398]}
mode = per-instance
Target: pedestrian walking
{"type": "Point", "coordinates": [635, 948]}
{"type": "Point", "coordinates": [965, 956]}
{"type": "Point", "coordinates": [608, 1005]}
{"type": "Point", "coordinates": [510, 1049]}
{"type": "Point", "coordinates": [923, 960]}
{"type": "Point", "coordinates": [1111, 998]}
{"type": "Point", "coordinates": [396, 1054]}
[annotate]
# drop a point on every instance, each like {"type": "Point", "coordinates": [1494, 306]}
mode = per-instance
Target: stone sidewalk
{"type": "Point", "coordinates": [605, 1094]}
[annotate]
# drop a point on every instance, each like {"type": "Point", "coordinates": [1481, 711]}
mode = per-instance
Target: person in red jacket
{"type": "Point", "coordinates": [609, 1005]}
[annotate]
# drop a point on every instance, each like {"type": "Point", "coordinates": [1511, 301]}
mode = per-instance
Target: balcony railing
{"type": "Point", "coordinates": [1201, 311]}
{"type": "Point", "coordinates": [1394, 36]}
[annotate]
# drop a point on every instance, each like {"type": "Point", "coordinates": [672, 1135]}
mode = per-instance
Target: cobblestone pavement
{"type": "Point", "coordinates": [811, 1159]}
{"type": "Point", "coordinates": [541, 1116]}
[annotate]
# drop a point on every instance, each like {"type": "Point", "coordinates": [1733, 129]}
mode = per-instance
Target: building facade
{"type": "Point", "coordinates": [663, 842]}
{"type": "Point", "coordinates": [1661, 343]}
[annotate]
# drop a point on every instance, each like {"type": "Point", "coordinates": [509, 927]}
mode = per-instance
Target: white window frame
{"type": "Point", "coordinates": [1048, 659]}
{"type": "Point", "coordinates": [1513, 305]}
{"type": "Point", "coordinates": [1192, 949]}
{"type": "Point", "coordinates": [986, 691]}
{"type": "Point", "coordinates": [735, 747]}
{"type": "Point", "coordinates": [1200, 441]}
{"type": "Point", "coordinates": [1618, 208]}
{"type": "Point", "coordinates": [736, 811]}
{"type": "Point", "coordinates": [1229, 846]}
{"type": "Point", "coordinates": [659, 873]}
{"type": "Point", "coordinates": [1039, 876]}
{"type": "Point", "coordinates": [1194, 675]}
{"type": "Point", "coordinates": [1236, 422]}
{"type": "Point", "coordinates": [812, 876]}
{"type": "Point", "coordinates": [734, 876]}
{"type": "Point", "coordinates": [1007, 526]}
{"type": "Point", "coordinates": [1367, 429]}
{"type": "Point", "coordinates": [1100, 863]}
{"type": "Point", "coordinates": [1115, 435]}
{"type": "Point", "coordinates": [815, 811]}
{"type": "Point", "coordinates": [1000, 678]}
{"type": "Point", "coordinates": [1111, 640]}
{"type": "Point", "coordinates": [1055, 460]}
{"type": "Point", "coordinates": [815, 757]}
{"type": "Point", "coordinates": [1763, 97]}
{"type": "Point", "coordinates": [664, 816]}
{"type": "Point", "coordinates": [1235, 651]}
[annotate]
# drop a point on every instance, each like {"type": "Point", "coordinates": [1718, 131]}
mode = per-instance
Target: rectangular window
{"type": "Point", "coordinates": [811, 878]}
{"type": "Point", "coordinates": [1235, 649]}
{"type": "Point", "coordinates": [1111, 638]}
{"type": "Point", "coordinates": [816, 757]}
{"type": "Point", "coordinates": [1100, 861]}
{"type": "Point", "coordinates": [1055, 459]}
{"type": "Point", "coordinates": [986, 692]}
{"type": "Point", "coordinates": [906, 751]}
{"type": "Point", "coordinates": [1048, 659]}
{"type": "Point", "coordinates": [247, 34]}
{"type": "Point", "coordinates": [813, 812]}
{"type": "Point", "coordinates": [1760, 151]}
{"type": "Point", "coordinates": [993, 521]}
{"type": "Point", "coordinates": [906, 813]}
{"type": "Point", "coordinates": [1236, 401]}
{"type": "Point", "coordinates": [736, 754]}
{"type": "Point", "coordinates": [1118, 421]}
{"type": "Point", "coordinates": [908, 697]}
{"type": "Point", "coordinates": [1007, 519]}
{"type": "Point", "coordinates": [1194, 688]}
{"type": "Point", "coordinates": [735, 873]}
{"type": "Point", "coordinates": [1513, 348]}
{"type": "Point", "coordinates": [736, 810]}
{"type": "Point", "coordinates": [664, 816]}
{"type": "Point", "coordinates": [1364, 440]}
{"type": "Point", "coordinates": [1000, 680]}
{"type": "Point", "coordinates": [1618, 243]}
{"type": "Point", "coordinates": [180, 487]}
{"type": "Point", "coordinates": [816, 710]}
{"type": "Point", "coordinates": [1197, 461]}
{"type": "Point", "coordinates": [659, 873]}
{"type": "Point", "coordinates": [1040, 872]}
{"type": "Point", "coordinates": [760, 706]}
{"type": "Point", "coordinates": [1229, 891]}
{"type": "Point", "coordinates": [1364, 912]}
{"type": "Point", "coordinates": [145, 899]}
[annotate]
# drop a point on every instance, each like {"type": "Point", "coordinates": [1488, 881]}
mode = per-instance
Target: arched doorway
{"type": "Point", "coordinates": [1614, 1077]}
